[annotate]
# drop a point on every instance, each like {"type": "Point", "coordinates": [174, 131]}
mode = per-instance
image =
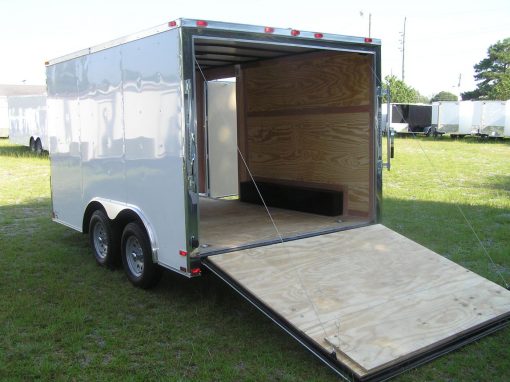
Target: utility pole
{"type": "Point", "coordinates": [458, 87]}
{"type": "Point", "coordinates": [369, 22]}
{"type": "Point", "coordinates": [404, 50]}
{"type": "Point", "coordinates": [369, 25]}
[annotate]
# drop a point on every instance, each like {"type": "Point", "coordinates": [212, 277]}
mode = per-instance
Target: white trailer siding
{"type": "Point", "coordinates": [445, 117]}
{"type": "Point", "coordinates": [489, 118]}
{"type": "Point", "coordinates": [4, 118]}
{"type": "Point", "coordinates": [465, 117]}
{"type": "Point", "coordinates": [398, 127]}
{"type": "Point", "coordinates": [115, 119]}
{"type": "Point", "coordinates": [506, 131]}
{"type": "Point", "coordinates": [27, 119]}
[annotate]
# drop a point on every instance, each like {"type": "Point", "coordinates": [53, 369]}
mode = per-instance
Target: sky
{"type": "Point", "coordinates": [444, 39]}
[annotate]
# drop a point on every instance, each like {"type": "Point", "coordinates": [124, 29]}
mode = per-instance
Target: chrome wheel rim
{"type": "Point", "coordinates": [134, 256]}
{"type": "Point", "coordinates": [100, 240]}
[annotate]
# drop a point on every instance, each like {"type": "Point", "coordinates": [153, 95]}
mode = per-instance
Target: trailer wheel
{"type": "Point", "coordinates": [136, 255]}
{"type": "Point", "coordinates": [104, 239]}
{"type": "Point", "coordinates": [38, 147]}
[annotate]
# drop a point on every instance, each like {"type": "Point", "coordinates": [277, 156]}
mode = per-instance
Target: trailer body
{"type": "Point", "coordinates": [27, 121]}
{"type": "Point", "coordinates": [481, 118]}
{"type": "Point", "coordinates": [135, 145]}
{"type": "Point", "coordinates": [489, 118]}
{"type": "Point", "coordinates": [408, 117]}
{"type": "Point", "coordinates": [4, 117]}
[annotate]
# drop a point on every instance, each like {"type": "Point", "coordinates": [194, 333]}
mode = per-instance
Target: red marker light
{"type": "Point", "coordinates": [183, 253]}
{"type": "Point", "coordinates": [295, 32]}
{"type": "Point", "coordinates": [318, 35]}
{"type": "Point", "coordinates": [201, 23]}
{"type": "Point", "coordinates": [195, 271]}
{"type": "Point", "coordinates": [172, 24]}
{"type": "Point", "coordinates": [368, 39]}
{"type": "Point", "coordinates": [269, 29]}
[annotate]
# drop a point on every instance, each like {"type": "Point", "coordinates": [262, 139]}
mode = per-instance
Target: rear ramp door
{"type": "Point", "coordinates": [368, 301]}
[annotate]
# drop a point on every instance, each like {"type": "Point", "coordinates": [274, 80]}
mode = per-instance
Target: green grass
{"type": "Point", "coordinates": [64, 318]}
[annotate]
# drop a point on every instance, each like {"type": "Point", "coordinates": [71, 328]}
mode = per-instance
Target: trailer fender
{"type": "Point", "coordinates": [118, 210]}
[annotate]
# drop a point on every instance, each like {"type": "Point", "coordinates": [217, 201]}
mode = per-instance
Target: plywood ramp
{"type": "Point", "coordinates": [371, 295]}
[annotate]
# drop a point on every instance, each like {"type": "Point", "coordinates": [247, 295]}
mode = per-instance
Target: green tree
{"type": "Point", "coordinates": [444, 96]}
{"type": "Point", "coordinates": [400, 92]}
{"type": "Point", "coordinates": [493, 74]}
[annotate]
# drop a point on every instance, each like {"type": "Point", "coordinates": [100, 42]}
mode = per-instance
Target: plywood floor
{"type": "Point", "coordinates": [232, 223]}
{"type": "Point", "coordinates": [370, 294]}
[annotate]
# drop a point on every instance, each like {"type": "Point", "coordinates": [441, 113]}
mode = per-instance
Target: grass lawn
{"type": "Point", "coordinates": [64, 318]}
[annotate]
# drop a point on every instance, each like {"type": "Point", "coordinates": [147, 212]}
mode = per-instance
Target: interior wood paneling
{"type": "Point", "coordinates": [325, 79]}
{"type": "Point", "coordinates": [330, 149]}
{"type": "Point", "coordinates": [308, 120]}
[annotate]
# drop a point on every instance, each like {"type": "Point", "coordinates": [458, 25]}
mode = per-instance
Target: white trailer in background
{"type": "Point", "coordinates": [27, 121]}
{"type": "Point", "coordinates": [491, 118]}
{"type": "Point", "coordinates": [452, 117]}
{"type": "Point", "coordinates": [6, 91]}
{"type": "Point", "coordinates": [4, 117]}
{"type": "Point", "coordinates": [129, 122]}
{"type": "Point", "coordinates": [478, 118]}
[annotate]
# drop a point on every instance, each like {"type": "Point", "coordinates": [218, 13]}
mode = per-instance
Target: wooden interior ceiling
{"type": "Point", "coordinates": [218, 53]}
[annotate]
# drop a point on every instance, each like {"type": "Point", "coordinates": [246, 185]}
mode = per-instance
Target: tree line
{"type": "Point", "coordinates": [492, 74]}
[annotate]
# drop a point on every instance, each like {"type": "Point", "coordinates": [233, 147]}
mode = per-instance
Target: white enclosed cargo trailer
{"type": "Point", "coordinates": [27, 121]}
{"type": "Point", "coordinates": [452, 117]}
{"type": "Point", "coordinates": [134, 152]}
{"type": "Point", "coordinates": [483, 118]}
{"type": "Point", "coordinates": [490, 118]}
{"type": "Point", "coordinates": [4, 117]}
{"type": "Point", "coordinates": [7, 91]}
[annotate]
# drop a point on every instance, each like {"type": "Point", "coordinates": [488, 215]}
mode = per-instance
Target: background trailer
{"type": "Point", "coordinates": [4, 117]}
{"type": "Point", "coordinates": [139, 149]}
{"type": "Point", "coordinates": [408, 117]}
{"type": "Point", "coordinates": [490, 118]}
{"type": "Point", "coordinates": [7, 91]}
{"type": "Point", "coordinates": [484, 118]}
{"type": "Point", "coordinates": [27, 121]}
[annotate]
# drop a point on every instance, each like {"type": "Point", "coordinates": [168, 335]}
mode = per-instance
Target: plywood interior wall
{"type": "Point", "coordinates": [306, 119]}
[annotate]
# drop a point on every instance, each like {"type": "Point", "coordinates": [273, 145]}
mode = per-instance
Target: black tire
{"type": "Point", "coordinates": [38, 147]}
{"type": "Point", "coordinates": [136, 253]}
{"type": "Point", "coordinates": [32, 144]}
{"type": "Point", "coordinates": [104, 239]}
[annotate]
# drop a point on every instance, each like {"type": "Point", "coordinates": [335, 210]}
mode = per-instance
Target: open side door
{"type": "Point", "coordinates": [369, 302]}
